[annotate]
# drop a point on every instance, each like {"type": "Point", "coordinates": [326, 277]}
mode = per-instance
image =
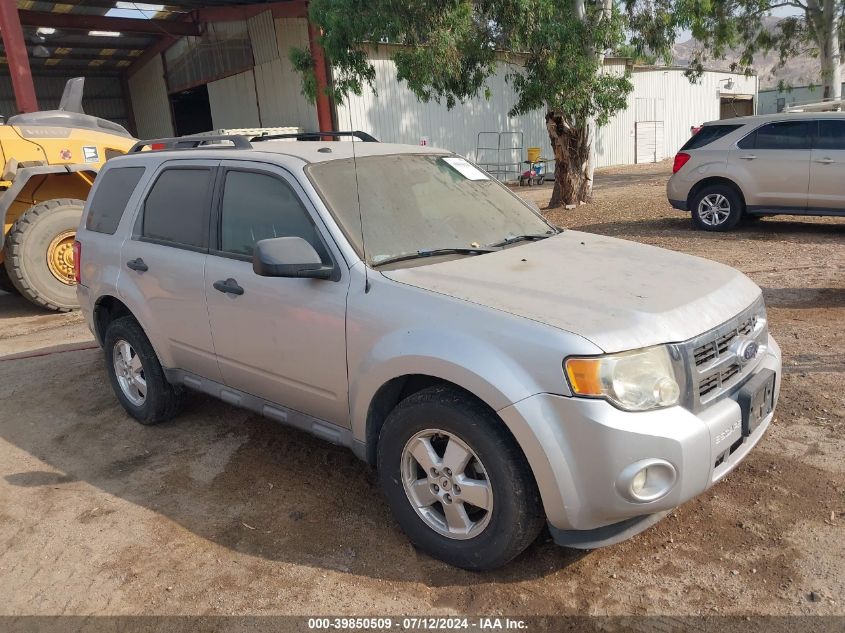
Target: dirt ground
{"type": "Point", "coordinates": [224, 512]}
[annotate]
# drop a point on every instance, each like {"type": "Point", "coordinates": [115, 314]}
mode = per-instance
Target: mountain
{"type": "Point", "coordinates": [801, 70]}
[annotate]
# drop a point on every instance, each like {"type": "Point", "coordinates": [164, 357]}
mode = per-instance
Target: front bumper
{"type": "Point", "coordinates": [579, 447]}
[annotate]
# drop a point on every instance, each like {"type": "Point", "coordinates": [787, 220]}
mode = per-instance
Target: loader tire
{"type": "Point", "coordinates": [38, 261]}
{"type": "Point", "coordinates": [6, 284]}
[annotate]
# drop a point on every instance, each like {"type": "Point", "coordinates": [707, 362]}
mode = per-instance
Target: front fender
{"type": "Point", "coordinates": [472, 364]}
{"type": "Point", "coordinates": [397, 330]}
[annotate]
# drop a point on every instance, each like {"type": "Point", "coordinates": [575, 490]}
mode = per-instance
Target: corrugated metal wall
{"type": "Point", "coordinates": [150, 103]}
{"type": "Point", "coordinates": [103, 96]}
{"type": "Point", "coordinates": [262, 36]}
{"type": "Point", "coordinates": [665, 94]}
{"type": "Point", "coordinates": [280, 100]}
{"type": "Point", "coordinates": [233, 101]}
{"type": "Point", "coordinates": [395, 114]}
{"type": "Point", "coordinates": [796, 96]}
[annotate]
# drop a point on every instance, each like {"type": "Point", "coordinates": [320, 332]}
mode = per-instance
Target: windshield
{"type": "Point", "coordinates": [420, 202]}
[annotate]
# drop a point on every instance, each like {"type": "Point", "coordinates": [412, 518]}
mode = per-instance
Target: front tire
{"type": "Point", "coordinates": [716, 208]}
{"type": "Point", "coordinates": [136, 375]}
{"type": "Point", "coordinates": [456, 481]}
{"type": "Point", "coordinates": [39, 257]}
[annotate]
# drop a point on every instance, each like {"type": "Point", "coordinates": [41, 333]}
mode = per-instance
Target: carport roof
{"type": "Point", "coordinates": [72, 48]}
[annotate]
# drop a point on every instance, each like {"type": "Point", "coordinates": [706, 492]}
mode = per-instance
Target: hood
{"type": "Point", "coordinates": [620, 295]}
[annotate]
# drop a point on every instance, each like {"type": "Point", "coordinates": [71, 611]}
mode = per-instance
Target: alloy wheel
{"type": "Point", "coordinates": [447, 484]}
{"type": "Point", "coordinates": [714, 209]}
{"type": "Point", "coordinates": [129, 372]}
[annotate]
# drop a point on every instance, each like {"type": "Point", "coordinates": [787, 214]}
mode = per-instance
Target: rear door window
{"type": "Point", "coordinates": [114, 188]}
{"type": "Point", "coordinates": [707, 134]}
{"type": "Point", "coordinates": [176, 210]}
{"type": "Point", "coordinates": [784, 135]}
{"type": "Point", "coordinates": [831, 135]}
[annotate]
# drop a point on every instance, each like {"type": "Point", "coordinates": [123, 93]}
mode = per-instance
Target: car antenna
{"type": "Point", "coordinates": [360, 217]}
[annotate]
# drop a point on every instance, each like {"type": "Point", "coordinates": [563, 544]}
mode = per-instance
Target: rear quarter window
{"type": "Point", "coordinates": [707, 134]}
{"type": "Point", "coordinates": [114, 188]}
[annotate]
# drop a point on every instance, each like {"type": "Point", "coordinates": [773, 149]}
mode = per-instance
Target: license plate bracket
{"type": "Point", "coordinates": [756, 399]}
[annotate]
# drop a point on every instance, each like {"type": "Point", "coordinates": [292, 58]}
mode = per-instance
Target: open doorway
{"type": "Point", "coordinates": [191, 111]}
{"type": "Point", "coordinates": [736, 105]}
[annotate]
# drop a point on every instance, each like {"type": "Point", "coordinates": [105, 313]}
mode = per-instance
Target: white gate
{"type": "Point", "coordinates": [649, 141]}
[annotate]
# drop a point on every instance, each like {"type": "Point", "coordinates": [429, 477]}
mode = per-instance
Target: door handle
{"type": "Point", "coordinates": [138, 265]}
{"type": "Point", "coordinates": [824, 161]}
{"type": "Point", "coordinates": [229, 286]}
{"type": "Point", "coordinates": [748, 157]}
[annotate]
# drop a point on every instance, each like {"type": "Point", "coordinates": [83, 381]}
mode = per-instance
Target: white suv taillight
{"type": "Point", "coordinates": [681, 159]}
{"type": "Point", "coordinates": [77, 261]}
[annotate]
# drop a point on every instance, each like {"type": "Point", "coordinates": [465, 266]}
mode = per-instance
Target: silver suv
{"type": "Point", "coordinates": [498, 372]}
{"type": "Point", "coordinates": [761, 165]}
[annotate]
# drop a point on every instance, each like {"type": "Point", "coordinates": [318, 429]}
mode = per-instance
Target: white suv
{"type": "Point", "coordinates": [499, 373]}
{"type": "Point", "coordinates": [761, 165]}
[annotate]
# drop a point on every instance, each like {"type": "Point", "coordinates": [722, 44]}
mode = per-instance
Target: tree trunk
{"type": "Point", "coordinates": [571, 146]}
{"type": "Point", "coordinates": [831, 52]}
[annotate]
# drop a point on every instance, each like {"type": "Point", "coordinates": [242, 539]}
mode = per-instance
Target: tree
{"type": "Point", "coordinates": [556, 49]}
{"type": "Point", "coordinates": [451, 47]}
{"type": "Point", "coordinates": [722, 26]}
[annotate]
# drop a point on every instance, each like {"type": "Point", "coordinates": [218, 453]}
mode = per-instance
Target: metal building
{"type": "Point", "coordinates": [661, 111]}
{"type": "Point", "coordinates": [775, 100]}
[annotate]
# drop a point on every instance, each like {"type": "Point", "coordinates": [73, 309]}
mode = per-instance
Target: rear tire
{"type": "Point", "coordinates": [445, 522]}
{"type": "Point", "coordinates": [136, 374]}
{"type": "Point", "coordinates": [46, 225]}
{"type": "Point", "coordinates": [716, 208]}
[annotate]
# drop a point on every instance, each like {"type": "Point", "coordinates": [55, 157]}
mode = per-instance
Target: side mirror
{"type": "Point", "coordinates": [288, 257]}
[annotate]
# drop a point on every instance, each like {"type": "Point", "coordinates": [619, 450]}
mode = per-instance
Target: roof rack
{"type": "Point", "coordinates": [192, 142]}
{"type": "Point", "coordinates": [317, 136]}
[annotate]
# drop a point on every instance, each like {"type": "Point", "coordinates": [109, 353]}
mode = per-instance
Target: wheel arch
{"type": "Point", "coordinates": [397, 389]}
{"type": "Point", "coordinates": [714, 180]}
{"type": "Point", "coordinates": [106, 309]}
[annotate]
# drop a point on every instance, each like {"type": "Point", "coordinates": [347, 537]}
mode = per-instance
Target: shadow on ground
{"type": "Point", "coordinates": [236, 479]}
{"type": "Point", "coordinates": [772, 229]}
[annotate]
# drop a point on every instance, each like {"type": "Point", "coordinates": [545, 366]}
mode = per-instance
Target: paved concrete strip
{"type": "Point", "coordinates": [47, 351]}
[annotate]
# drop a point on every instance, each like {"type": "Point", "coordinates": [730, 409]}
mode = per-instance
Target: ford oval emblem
{"type": "Point", "coordinates": [747, 350]}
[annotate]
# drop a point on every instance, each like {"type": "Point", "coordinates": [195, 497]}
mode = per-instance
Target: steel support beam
{"type": "Point", "coordinates": [324, 104]}
{"type": "Point", "coordinates": [18, 56]}
{"type": "Point", "coordinates": [83, 22]}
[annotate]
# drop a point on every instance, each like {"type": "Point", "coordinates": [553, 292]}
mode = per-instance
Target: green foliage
{"type": "Point", "coordinates": [639, 57]}
{"type": "Point", "coordinates": [746, 26]}
{"type": "Point", "coordinates": [446, 50]}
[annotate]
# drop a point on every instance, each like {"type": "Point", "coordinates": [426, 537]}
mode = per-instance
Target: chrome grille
{"type": "Point", "coordinates": [713, 367]}
{"type": "Point", "coordinates": [706, 352]}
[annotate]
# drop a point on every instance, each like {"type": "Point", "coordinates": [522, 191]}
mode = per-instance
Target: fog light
{"type": "Point", "coordinates": [646, 480]}
{"type": "Point", "coordinates": [639, 480]}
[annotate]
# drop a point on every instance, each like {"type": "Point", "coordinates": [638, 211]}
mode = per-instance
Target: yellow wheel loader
{"type": "Point", "coordinates": [50, 160]}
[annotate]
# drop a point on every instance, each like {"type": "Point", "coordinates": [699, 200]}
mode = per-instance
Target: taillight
{"type": "Point", "coordinates": [157, 146]}
{"type": "Point", "coordinates": [681, 159]}
{"type": "Point", "coordinates": [77, 261]}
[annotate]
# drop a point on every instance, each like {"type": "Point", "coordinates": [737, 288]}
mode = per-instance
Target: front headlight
{"type": "Point", "coordinates": [635, 381]}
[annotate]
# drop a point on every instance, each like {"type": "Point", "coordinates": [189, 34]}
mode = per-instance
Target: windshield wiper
{"type": "Point", "coordinates": [433, 252]}
{"type": "Point", "coordinates": [513, 239]}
